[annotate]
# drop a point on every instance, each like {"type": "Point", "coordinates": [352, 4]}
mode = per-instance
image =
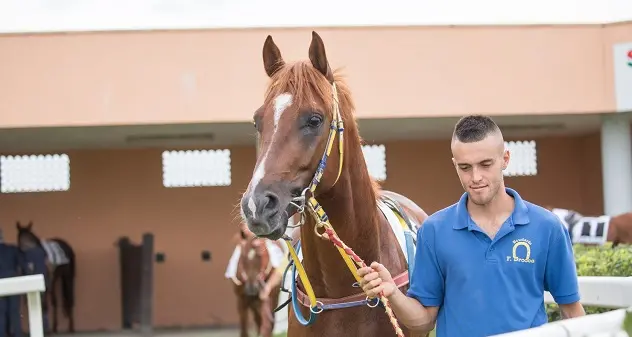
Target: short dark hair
{"type": "Point", "coordinates": [474, 128]}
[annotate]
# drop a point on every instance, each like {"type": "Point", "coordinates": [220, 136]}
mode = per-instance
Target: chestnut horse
{"type": "Point", "coordinates": [619, 226]}
{"type": "Point", "coordinates": [253, 271]}
{"type": "Point", "coordinates": [306, 107]}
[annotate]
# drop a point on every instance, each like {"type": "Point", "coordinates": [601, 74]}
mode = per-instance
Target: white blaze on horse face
{"type": "Point", "coordinates": [281, 103]}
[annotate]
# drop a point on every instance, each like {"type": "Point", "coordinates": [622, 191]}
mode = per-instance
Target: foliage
{"type": "Point", "coordinates": [598, 261]}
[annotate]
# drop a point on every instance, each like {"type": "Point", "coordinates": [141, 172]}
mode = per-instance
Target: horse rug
{"type": "Point", "coordinates": [56, 255]}
{"type": "Point", "coordinates": [590, 230]}
{"type": "Point", "coordinates": [277, 256]}
{"type": "Point", "coordinates": [584, 229]}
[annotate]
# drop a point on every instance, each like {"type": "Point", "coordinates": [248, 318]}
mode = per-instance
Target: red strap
{"type": "Point", "coordinates": [400, 281]}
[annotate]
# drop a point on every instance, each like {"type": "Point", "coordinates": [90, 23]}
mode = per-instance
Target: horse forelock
{"type": "Point", "coordinates": [250, 250]}
{"type": "Point", "coordinates": [309, 87]}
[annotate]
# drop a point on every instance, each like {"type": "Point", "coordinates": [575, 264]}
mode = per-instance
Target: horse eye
{"type": "Point", "coordinates": [315, 121]}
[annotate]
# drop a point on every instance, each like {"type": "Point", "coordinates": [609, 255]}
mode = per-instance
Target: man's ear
{"type": "Point", "coordinates": [506, 157]}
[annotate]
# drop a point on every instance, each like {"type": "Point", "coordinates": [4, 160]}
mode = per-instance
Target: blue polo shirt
{"type": "Point", "coordinates": [484, 286]}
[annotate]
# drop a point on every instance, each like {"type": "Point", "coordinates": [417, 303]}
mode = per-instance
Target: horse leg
{"type": "Point", "coordinates": [45, 306]}
{"type": "Point", "coordinates": [268, 314]}
{"type": "Point", "coordinates": [53, 297]}
{"type": "Point", "coordinates": [257, 314]}
{"type": "Point", "coordinates": [68, 284]}
{"type": "Point", "coordinates": [243, 317]}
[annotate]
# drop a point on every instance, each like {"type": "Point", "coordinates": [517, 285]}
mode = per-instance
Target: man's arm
{"type": "Point", "coordinates": [560, 275]}
{"type": "Point", "coordinates": [408, 310]}
{"type": "Point", "coordinates": [418, 309]}
{"type": "Point", "coordinates": [273, 282]}
{"type": "Point", "coordinates": [572, 310]}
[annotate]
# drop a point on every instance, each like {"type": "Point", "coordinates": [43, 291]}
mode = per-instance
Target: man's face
{"type": "Point", "coordinates": [247, 233]}
{"type": "Point", "coordinates": [480, 166]}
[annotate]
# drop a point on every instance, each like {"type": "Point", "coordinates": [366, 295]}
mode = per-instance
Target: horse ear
{"type": "Point", "coordinates": [319, 58]}
{"type": "Point", "coordinates": [272, 59]}
{"type": "Point", "coordinates": [18, 225]}
{"type": "Point", "coordinates": [30, 225]}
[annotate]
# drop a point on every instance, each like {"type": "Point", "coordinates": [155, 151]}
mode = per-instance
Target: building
{"type": "Point", "coordinates": [113, 89]}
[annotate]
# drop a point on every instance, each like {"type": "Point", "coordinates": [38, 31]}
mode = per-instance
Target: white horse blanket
{"type": "Point", "coordinates": [276, 257]}
{"type": "Point", "coordinates": [56, 255]}
{"type": "Point", "coordinates": [584, 229]}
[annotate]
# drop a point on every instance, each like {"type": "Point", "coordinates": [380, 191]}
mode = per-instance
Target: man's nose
{"type": "Point", "coordinates": [266, 204]}
{"type": "Point", "coordinates": [476, 174]}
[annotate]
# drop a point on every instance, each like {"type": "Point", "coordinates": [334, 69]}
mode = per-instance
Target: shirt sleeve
{"type": "Point", "coordinates": [560, 275]}
{"type": "Point", "coordinates": [427, 281]}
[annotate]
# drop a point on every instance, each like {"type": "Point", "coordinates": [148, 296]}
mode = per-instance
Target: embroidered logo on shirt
{"type": "Point", "coordinates": [521, 252]}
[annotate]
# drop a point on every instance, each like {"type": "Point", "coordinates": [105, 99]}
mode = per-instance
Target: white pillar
{"type": "Point", "coordinates": [616, 163]}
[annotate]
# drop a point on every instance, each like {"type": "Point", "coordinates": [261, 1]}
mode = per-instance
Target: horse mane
{"type": "Point", "coordinates": [299, 77]}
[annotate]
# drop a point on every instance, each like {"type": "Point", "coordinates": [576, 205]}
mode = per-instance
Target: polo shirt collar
{"type": "Point", "coordinates": [520, 215]}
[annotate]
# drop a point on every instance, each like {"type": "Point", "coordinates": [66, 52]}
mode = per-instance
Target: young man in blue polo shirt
{"type": "Point", "coordinates": [483, 264]}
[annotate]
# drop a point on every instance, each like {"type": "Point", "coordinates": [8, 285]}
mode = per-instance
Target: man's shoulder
{"type": "Point", "coordinates": [442, 218]}
{"type": "Point", "coordinates": [543, 218]}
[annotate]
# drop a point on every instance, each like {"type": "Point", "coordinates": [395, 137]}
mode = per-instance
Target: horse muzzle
{"type": "Point", "coordinates": [252, 289]}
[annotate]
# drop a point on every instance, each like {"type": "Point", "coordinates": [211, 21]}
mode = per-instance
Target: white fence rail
{"type": "Point", "coordinates": [601, 291]}
{"type": "Point", "coordinates": [32, 286]}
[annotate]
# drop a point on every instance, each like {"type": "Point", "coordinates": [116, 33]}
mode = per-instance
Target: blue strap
{"type": "Point", "coordinates": [296, 306]}
{"type": "Point", "coordinates": [410, 248]}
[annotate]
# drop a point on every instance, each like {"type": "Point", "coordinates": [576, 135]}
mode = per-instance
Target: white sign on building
{"type": "Point", "coordinates": [623, 76]}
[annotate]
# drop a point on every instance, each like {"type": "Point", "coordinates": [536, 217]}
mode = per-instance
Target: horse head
{"type": "Point", "coordinates": [254, 266]}
{"type": "Point", "coordinates": [34, 256]}
{"type": "Point", "coordinates": [26, 237]}
{"type": "Point", "coordinates": [304, 107]}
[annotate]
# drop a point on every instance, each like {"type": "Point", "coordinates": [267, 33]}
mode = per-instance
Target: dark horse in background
{"type": "Point", "coordinates": [50, 257]}
{"type": "Point", "coordinates": [253, 271]}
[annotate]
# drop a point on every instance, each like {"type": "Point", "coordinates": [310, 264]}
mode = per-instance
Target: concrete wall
{"type": "Point", "coordinates": [112, 78]}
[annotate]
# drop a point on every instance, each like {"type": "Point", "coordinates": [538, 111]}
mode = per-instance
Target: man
{"type": "Point", "coordinates": [10, 320]}
{"type": "Point", "coordinates": [277, 259]}
{"type": "Point", "coordinates": [483, 264]}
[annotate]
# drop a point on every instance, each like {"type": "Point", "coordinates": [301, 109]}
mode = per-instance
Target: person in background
{"type": "Point", "coordinates": [277, 259]}
{"type": "Point", "coordinates": [35, 261]}
{"type": "Point", "coordinates": [10, 321]}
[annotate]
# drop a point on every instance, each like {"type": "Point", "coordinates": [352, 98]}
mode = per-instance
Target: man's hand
{"type": "Point", "coordinates": [376, 279]}
{"type": "Point", "coordinates": [264, 294]}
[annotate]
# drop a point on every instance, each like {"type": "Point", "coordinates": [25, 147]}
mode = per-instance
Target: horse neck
{"type": "Point", "coordinates": [352, 210]}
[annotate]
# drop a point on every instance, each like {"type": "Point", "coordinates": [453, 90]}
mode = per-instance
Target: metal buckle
{"type": "Point", "coordinates": [368, 302]}
{"type": "Point", "coordinates": [320, 224]}
{"type": "Point", "coordinates": [318, 308]}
